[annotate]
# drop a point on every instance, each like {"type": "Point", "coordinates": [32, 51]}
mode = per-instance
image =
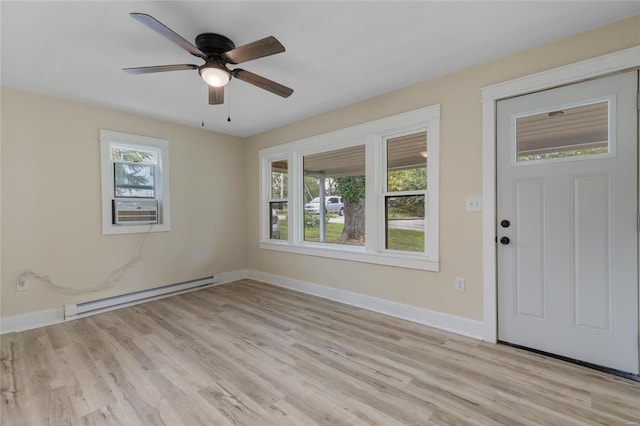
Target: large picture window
{"type": "Point", "coordinates": [366, 193]}
{"type": "Point", "coordinates": [337, 177]}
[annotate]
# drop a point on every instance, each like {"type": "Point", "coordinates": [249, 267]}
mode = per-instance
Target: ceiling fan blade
{"type": "Point", "coordinates": [216, 95]}
{"type": "Point", "coordinates": [258, 49]}
{"type": "Point", "coordinates": [165, 31]}
{"type": "Point", "coordinates": [263, 83]}
{"type": "Point", "coordinates": [160, 68]}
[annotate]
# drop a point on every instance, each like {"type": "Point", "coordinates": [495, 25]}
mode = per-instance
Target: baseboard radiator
{"type": "Point", "coordinates": [79, 310]}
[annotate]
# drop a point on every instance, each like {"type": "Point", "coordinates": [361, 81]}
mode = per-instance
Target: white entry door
{"type": "Point", "coordinates": [567, 242]}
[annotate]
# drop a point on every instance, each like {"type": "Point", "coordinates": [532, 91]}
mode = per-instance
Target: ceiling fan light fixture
{"type": "Point", "coordinates": [214, 75]}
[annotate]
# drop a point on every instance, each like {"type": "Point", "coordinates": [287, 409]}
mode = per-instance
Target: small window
{"type": "Point", "coordinates": [279, 180]}
{"type": "Point", "coordinates": [132, 180]}
{"type": "Point", "coordinates": [133, 154]}
{"type": "Point", "coordinates": [135, 179]}
{"type": "Point", "coordinates": [405, 198]}
{"type": "Point", "coordinates": [563, 133]}
{"type": "Point", "coordinates": [278, 216]}
{"type": "Point", "coordinates": [133, 171]}
{"type": "Point", "coordinates": [278, 202]}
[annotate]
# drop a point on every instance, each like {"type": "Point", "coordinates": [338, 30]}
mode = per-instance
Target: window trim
{"type": "Point", "coordinates": [372, 136]}
{"type": "Point", "coordinates": [161, 146]}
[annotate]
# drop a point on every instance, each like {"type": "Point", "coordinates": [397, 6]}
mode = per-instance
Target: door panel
{"type": "Point", "coordinates": [593, 283]}
{"type": "Point", "coordinates": [567, 182]}
{"type": "Point", "coordinates": [531, 270]}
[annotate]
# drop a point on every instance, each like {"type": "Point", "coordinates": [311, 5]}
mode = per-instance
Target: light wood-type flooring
{"type": "Point", "coordinates": [248, 353]}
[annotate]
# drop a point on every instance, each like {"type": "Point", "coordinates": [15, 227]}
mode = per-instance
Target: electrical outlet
{"type": "Point", "coordinates": [21, 283]}
{"type": "Point", "coordinates": [459, 284]}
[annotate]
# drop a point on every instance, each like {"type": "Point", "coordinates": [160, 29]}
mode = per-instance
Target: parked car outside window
{"type": "Point", "coordinates": [333, 204]}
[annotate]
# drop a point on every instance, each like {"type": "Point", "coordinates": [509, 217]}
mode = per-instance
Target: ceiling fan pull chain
{"type": "Point", "coordinates": [204, 92]}
{"type": "Point", "coordinates": [229, 103]}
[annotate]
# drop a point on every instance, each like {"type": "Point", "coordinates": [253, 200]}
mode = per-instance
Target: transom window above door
{"type": "Point", "coordinates": [565, 133]}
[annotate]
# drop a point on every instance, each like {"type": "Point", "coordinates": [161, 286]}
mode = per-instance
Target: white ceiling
{"type": "Point", "coordinates": [338, 53]}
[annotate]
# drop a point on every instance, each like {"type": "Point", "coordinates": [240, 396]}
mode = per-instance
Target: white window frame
{"type": "Point", "coordinates": [429, 246]}
{"type": "Point", "coordinates": [372, 135]}
{"type": "Point", "coordinates": [109, 138]}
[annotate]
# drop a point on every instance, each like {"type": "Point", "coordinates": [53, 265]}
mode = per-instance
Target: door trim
{"type": "Point", "coordinates": [572, 73]}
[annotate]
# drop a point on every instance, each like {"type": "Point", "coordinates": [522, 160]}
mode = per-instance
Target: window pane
{"type": "Point", "coordinates": [121, 153]}
{"type": "Point", "coordinates": [570, 132]}
{"type": "Point", "coordinates": [134, 180]}
{"type": "Point", "coordinates": [407, 163]}
{"type": "Point", "coordinates": [404, 222]}
{"type": "Point", "coordinates": [339, 218]}
{"type": "Point", "coordinates": [279, 219]}
{"type": "Point", "coordinates": [279, 180]}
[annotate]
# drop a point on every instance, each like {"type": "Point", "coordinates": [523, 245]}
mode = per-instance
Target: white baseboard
{"type": "Point", "coordinates": [53, 316]}
{"type": "Point", "coordinates": [227, 277]}
{"type": "Point", "coordinates": [31, 320]}
{"type": "Point", "coordinates": [452, 323]}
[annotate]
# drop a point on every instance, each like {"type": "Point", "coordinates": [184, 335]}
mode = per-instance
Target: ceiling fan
{"type": "Point", "coordinates": [217, 51]}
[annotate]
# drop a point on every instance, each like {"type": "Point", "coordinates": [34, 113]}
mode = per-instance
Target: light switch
{"type": "Point", "coordinates": [474, 204]}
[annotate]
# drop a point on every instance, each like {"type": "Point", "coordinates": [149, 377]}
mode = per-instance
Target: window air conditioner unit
{"type": "Point", "coordinates": [135, 212]}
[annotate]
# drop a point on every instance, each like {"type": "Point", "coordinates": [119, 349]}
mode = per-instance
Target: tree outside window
{"type": "Point", "coordinates": [335, 174]}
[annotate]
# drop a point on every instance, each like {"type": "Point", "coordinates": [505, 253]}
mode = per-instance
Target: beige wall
{"type": "Point", "coordinates": [461, 176]}
{"type": "Point", "coordinates": [51, 203]}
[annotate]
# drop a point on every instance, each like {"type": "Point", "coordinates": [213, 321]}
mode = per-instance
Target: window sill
{"type": "Point", "coordinates": [134, 229]}
{"type": "Point", "coordinates": [357, 255]}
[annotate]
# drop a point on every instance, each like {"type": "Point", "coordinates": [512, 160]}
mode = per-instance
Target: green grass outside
{"type": "Point", "coordinates": [404, 239]}
{"type": "Point", "coordinates": [399, 239]}
{"type": "Point", "coordinates": [332, 233]}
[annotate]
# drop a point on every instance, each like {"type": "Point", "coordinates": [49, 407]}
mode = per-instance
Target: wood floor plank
{"type": "Point", "coordinates": [130, 388]}
{"type": "Point", "coordinates": [116, 414]}
{"type": "Point", "coordinates": [234, 405]}
{"type": "Point", "coordinates": [93, 389]}
{"type": "Point", "coordinates": [59, 409]}
{"type": "Point", "coordinates": [12, 405]}
{"type": "Point", "coordinates": [253, 354]}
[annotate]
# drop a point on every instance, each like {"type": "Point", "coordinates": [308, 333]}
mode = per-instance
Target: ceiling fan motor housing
{"type": "Point", "coordinates": [213, 45]}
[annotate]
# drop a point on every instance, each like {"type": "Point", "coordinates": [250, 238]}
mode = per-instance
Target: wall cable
{"type": "Point", "coordinates": [111, 281]}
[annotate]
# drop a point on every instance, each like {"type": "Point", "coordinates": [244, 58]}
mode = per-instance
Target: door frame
{"type": "Point", "coordinates": [572, 73]}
